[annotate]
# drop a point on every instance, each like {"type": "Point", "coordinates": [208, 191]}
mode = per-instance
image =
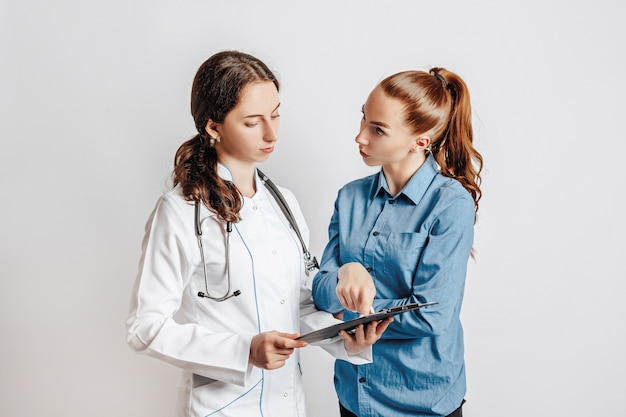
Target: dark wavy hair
{"type": "Point", "coordinates": [438, 102]}
{"type": "Point", "coordinates": [216, 90]}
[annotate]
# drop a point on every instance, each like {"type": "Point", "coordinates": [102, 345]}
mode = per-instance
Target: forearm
{"type": "Point", "coordinates": [325, 291]}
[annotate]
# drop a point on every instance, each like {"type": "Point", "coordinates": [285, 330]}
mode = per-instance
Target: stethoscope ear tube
{"type": "Point", "coordinates": [310, 262]}
{"type": "Point", "coordinates": [198, 229]}
{"type": "Point", "coordinates": [197, 220]}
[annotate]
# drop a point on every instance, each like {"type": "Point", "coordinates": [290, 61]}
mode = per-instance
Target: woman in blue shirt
{"type": "Point", "coordinates": [405, 235]}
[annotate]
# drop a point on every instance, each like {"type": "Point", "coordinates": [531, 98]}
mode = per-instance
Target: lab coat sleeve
{"type": "Point", "coordinates": [315, 320]}
{"type": "Point", "coordinates": [311, 318]}
{"type": "Point", "coordinates": [165, 268]}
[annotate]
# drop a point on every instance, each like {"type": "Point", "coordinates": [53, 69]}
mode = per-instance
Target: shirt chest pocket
{"type": "Point", "coordinates": [402, 252]}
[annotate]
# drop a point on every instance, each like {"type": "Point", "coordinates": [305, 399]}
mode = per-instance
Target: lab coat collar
{"type": "Point", "coordinates": [225, 173]}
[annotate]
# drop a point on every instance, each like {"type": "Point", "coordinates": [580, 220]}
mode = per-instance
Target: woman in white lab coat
{"type": "Point", "coordinates": [222, 293]}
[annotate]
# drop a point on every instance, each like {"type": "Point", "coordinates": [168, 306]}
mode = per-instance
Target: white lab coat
{"type": "Point", "coordinates": [210, 340]}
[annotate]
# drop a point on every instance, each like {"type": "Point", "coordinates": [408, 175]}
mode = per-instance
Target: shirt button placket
{"type": "Point", "coordinates": [362, 391]}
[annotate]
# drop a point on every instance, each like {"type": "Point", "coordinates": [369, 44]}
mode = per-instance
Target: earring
{"type": "Point", "coordinates": [213, 141]}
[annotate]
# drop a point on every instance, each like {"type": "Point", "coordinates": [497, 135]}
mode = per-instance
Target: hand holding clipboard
{"type": "Point", "coordinates": [332, 331]}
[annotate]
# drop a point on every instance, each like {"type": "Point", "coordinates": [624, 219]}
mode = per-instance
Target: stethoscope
{"type": "Point", "coordinates": [229, 229]}
{"type": "Point", "coordinates": [310, 262]}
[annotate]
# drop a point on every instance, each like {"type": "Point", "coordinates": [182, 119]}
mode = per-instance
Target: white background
{"type": "Point", "coordinates": [95, 101]}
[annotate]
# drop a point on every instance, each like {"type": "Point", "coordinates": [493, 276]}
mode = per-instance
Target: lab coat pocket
{"type": "Point", "coordinates": [199, 380]}
{"type": "Point", "coordinates": [210, 397]}
{"type": "Point", "coordinates": [402, 254]}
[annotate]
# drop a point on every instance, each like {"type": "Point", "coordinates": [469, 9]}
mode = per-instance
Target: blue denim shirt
{"type": "Point", "coordinates": [416, 246]}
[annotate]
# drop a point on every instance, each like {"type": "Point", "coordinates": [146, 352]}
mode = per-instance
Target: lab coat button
{"type": "Point", "coordinates": [274, 252]}
{"type": "Point", "coordinates": [285, 395]}
{"type": "Point", "coordinates": [282, 301]}
{"type": "Point", "coordinates": [255, 208]}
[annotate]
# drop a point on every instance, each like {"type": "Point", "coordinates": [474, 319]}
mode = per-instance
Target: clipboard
{"type": "Point", "coordinates": [350, 325]}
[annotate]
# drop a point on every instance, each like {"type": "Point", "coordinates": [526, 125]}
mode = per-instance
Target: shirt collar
{"type": "Point", "coordinates": [417, 185]}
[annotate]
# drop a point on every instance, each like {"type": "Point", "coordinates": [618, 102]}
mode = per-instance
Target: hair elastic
{"type": "Point", "coordinates": [440, 78]}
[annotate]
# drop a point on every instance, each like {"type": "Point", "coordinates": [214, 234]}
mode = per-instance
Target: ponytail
{"type": "Point", "coordinates": [195, 169]}
{"type": "Point", "coordinates": [454, 150]}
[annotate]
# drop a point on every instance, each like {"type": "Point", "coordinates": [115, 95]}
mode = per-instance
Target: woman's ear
{"type": "Point", "coordinates": [421, 143]}
{"type": "Point", "coordinates": [212, 129]}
